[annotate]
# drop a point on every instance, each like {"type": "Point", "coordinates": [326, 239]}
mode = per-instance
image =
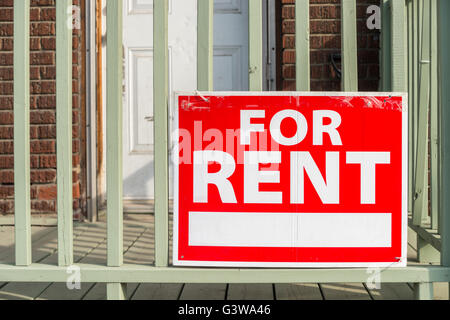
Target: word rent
{"type": "Point", "coordinates": [325, 123]}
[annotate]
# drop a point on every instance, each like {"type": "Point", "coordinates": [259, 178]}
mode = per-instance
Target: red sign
{"type": "Point", "coordinates": [290, 180]}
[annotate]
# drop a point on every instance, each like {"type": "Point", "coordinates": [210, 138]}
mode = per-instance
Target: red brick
{"type": "Point", "coordinates": [325, 41]}
{"type": "Point", "coordinates": [42, 115]}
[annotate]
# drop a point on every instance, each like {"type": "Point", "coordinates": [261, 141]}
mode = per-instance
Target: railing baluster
{"type": "Point", "coordinates": [415, 90]}
{"type": "Point", "coordinates": [417, 83]}
{"type": "Point", "coordinates": [410, 43]}
{"type": "Point", "coordinates": [22, 206]}
{"type": "Point", "coordinates": [435, 176]}
{"type": "Point", "coordinates": [302, 45]}
{"type": "Point", "coordinates": [444, 79]}
{"type": "Point", "coordinates": [398, 45]}
{"type": "Point", "coordinates": [205, 39]}
{"type": "Point", "coordinates": [255, 47]}
{"type": "Point", "coordinates": [421, 186]}
{"type": "Point", "coordinates": [114, 144]}
{"type": "Point", "coordinates": [399, 49]}
{"type": "Point", "coordinates": [386, 46]}
{"type": "Point", "coordinates": [160, 105]}
{"type": "Point", "coordinates": [64, 131]}
{"type": "Point", "coordinates": [349, 46]}
{"type": "Point", "coordinates": [423, 291]}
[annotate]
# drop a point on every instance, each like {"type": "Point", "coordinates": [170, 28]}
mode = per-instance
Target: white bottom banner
{"type": "Point", "coordinates": [296, 230]}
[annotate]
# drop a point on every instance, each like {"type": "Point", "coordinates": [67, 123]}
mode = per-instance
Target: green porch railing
{"type": "Point", "coordinates": [22, 202]}
{"type": "Point", "coordinates": [114, 177]}
{"type": "Point", "coordinates": [413, 31]}
{"type": "Point", "coordinates": [64, 131]}
{"type": "Point", "coordinates": [423, 85]}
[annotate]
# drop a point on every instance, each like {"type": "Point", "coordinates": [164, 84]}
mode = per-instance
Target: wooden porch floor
{"type": "Point", "coordinates": [90, 248]}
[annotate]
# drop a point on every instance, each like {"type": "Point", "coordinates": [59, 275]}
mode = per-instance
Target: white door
{"type": "Point", "coordinates": [231, 45]}
{"type": "Point", "coordinates": [138, 86]}
{"type": "Point", "coordinates": [231, 73]}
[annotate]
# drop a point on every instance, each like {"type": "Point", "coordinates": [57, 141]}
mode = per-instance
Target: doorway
{"type": "Point", "coordinates": [230, 74]}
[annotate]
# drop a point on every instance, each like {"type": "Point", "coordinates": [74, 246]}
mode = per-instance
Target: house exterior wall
{"type": "Point", "coordinates": [325, 28]}
{"type": "Point", "coordinates": [42, 115]}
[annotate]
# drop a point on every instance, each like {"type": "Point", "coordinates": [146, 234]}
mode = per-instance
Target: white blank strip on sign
{"type": "Point", "coordinates": [296, 230]}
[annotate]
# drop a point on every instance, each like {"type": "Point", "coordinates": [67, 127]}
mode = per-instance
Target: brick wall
{"type": "Point", "coordinates": [325, 41]}
{"type": "Point", "coordinates": [42, 115]}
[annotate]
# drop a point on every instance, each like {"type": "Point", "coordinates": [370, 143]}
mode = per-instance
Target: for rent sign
{"type": "Point", "coordinates": [290, 180]}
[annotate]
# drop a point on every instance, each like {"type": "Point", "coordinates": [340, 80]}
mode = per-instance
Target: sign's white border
{"type": "Point", "coordinates": [175, 160]}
